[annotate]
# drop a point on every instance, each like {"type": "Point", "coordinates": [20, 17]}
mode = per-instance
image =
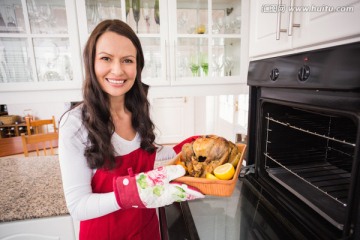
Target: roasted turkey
{"type": "Point", "coordinates": [206, 153]}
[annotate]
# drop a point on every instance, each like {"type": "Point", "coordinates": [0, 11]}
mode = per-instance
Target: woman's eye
{"type": "Point", "coordinates": [128, 61]}
{"type": "Point", "coordinates": [105, 59]}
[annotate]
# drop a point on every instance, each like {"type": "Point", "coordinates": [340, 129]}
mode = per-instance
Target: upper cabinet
{"type": "Point", "coordinates": [282, 25]}
{"type": "Point", "coordinates": [184, 42]}
{"type": "Point", "coordinates": [202, 42]}
{"type": "Point", "coordinates": [205, 41]}
{"type": "Point", "coordinates": [38, 45]}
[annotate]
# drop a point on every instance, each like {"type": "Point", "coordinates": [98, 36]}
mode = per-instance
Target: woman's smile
{"type": "Point", "coordinates": [115, 81]}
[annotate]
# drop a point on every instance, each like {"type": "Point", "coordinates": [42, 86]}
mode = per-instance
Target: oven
{"type": "Point", "coordinates": [303, 141]}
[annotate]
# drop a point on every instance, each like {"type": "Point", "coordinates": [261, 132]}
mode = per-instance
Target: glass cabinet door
{"type": "Point", "coordinates": [143, 16]}
{"type": "Point", "coordinates": [47, 17]}
{"type": "Point", "coordinates": [208, 41]}
{"type": "Point", "coordinates": [52, 59]}
{"type": "Point", "coordinates": [35, 43]}
{"type": "Point", "coordinates": [97, 11]}
{"type": "Point", "coordinates": [14, 51]}
{"type": "Point", "coordinates": [192, 57]}
{"type": "Point", "coordinates": [14, 60]}
{"type": "Point", "coordinates": [11, 17]}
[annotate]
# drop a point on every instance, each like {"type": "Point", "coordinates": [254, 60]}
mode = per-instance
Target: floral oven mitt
{"type": "Point", "coordinates": [153, 189]}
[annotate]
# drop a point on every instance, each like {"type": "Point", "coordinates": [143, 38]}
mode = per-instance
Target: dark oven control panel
{"type": "Point", "coordinates": [328, 68]}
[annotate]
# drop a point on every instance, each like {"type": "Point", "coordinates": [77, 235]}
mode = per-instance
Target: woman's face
{"type": "Point", "coordinates": [115, 64]}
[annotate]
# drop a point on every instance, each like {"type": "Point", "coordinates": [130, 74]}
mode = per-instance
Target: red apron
{"type": "Point", "coordinates": [122, 224]}
{"type": "Point", "coordinates": [129, 223]}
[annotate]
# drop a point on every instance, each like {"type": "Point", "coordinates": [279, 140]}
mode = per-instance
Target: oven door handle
{"type": "Point", "coordinates": [245, 170]}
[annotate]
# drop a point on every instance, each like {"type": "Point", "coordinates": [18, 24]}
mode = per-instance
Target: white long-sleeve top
{"type": "Point", "coordinates": [82, 203]}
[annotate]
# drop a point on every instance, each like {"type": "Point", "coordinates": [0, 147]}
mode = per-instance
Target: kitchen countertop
{"type": "Point", "coordinates": [30, 188]}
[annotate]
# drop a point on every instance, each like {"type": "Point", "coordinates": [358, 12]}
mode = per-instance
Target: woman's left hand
{"type": "Point", "coordinates": [153, 189]}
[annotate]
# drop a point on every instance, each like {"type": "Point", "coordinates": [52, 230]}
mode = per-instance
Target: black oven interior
{"type": "Point", "coordinates": [311, 154]}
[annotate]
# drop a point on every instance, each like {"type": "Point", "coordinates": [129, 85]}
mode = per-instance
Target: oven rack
{"type": "Point", "coordinates": [323, 180]}
{"type": "Point", "coordinates": [319, 126]}
{"type": "Point", "coordinates": [307, 171]}
{"type": "Point", "coordinates": [302, 154]}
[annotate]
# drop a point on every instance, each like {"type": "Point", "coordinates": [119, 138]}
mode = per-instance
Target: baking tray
{"type": "Point", "coordinates": [215, 187]}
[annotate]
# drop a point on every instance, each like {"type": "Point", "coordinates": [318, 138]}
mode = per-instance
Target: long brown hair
{"type": "Point", "coordinates": [96, 115]}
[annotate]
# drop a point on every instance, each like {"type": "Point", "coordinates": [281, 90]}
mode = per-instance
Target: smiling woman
{"type": "Point", "coordinates": [106, 145]}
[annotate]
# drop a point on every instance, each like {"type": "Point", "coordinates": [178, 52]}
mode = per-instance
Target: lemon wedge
{"type": "Point", "coordinates": [225, 171]}
{"type": "Point", "coordinates": [210, 176]}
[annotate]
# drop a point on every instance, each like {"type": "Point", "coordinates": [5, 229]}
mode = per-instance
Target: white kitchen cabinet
{"type": "Point", "coordinates": [174, 118]}
{"type": "Point", "coordinates": [29, 49]}
{"type": "Point", "coordinates": [324, 24]}
{"type": "Point", "coordinates": [278, 26]}
{"type": "Point", "coordinates": [184, 42]}
{"type": "Point", "coordinates": [38, 45]}
{"type": "Point", "coordinates": [265, 22]}
{"type": "Point", "coordinates": [51, 228]}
